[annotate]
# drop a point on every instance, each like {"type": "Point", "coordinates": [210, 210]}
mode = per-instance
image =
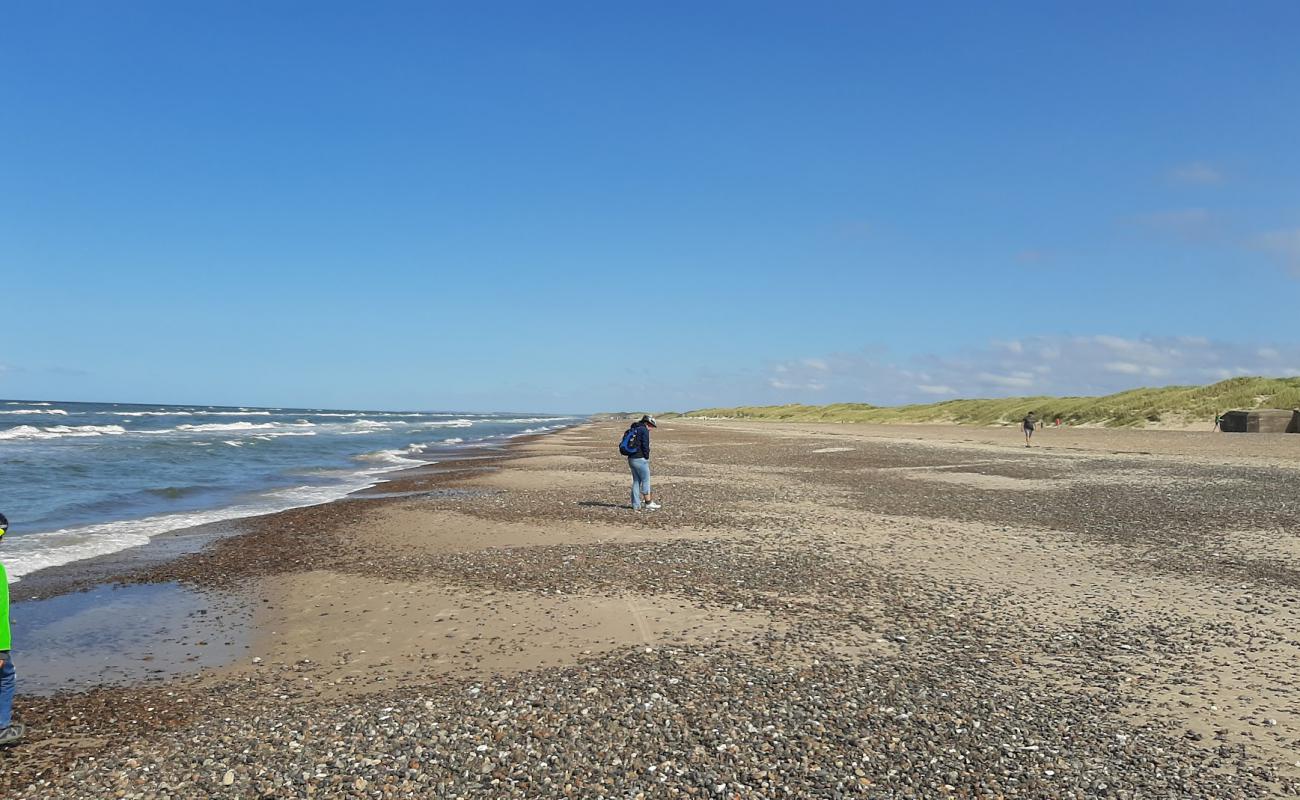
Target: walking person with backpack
{"type": "Point", "coordinates": [9, 733]}
{"type": "Point", "coordinates": [636, 446]}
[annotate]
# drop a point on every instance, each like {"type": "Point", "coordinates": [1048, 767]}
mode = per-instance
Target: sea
{"type": "Point", "coordinates": [80, 480]}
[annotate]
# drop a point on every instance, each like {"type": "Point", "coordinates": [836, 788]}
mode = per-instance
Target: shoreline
{"type": "Point", "coordinates": [120, 566]}
{"type": "Point", "coordinates": [198, 615]}
{"type": "Point", "coordinates": [85, 488]}
{"type": "Point", "coordinates": [808, 595]}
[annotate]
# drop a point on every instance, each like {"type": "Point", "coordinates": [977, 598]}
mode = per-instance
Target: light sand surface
{"type": "Point", "coordinates": [1046, 578]}
{"type": "Point", "coordinates": [368, 634]}
{"type": "Point", "coordinates": [1194, 444]}
{"type": "Point", "coordinates": [880, 611]}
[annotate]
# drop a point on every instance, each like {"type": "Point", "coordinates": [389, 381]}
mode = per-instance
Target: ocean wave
{"type": "Point", "coordinates": [522, 420]}
{"type": "Point", "coordinates": [423, 447]}
{"type": "Point", "coordinates": [531, 431]}
{"type": "Point", "coordinates": [225, 426]}
{"type": "Point", "coordinates": [451, 423]}
{"type": "Point", "coordinates": [393, 457]}
{"type": "Point", "coordinates": [175, 492]}
{"type": "Point", "coordinates": [34, 551]}
{"type": "Point", "coordinates": [55, 411]}
{"type": "Point", "coordinates": [149, 413]}
{"type": "Point", "coordinates": [60, 431]}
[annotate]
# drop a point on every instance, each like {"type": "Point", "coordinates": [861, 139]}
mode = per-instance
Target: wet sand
{"type": "Point", "coordinates": [818, 611]}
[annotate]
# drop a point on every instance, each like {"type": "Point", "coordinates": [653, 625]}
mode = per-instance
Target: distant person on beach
{"type": "Point", "coordinates": [1028, 424]}
{"type": "Point", "coordinates": [1218, 421]}
{"type": "Point", "coordinates": [636, 446]}
{"type": "Point", "coordinates": [9, 733]}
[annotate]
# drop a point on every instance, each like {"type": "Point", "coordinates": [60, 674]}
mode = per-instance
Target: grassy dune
{"type": "Point", "coordinates": [1171, 405]}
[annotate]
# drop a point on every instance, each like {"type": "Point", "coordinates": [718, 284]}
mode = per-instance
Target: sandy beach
{"type": "Point", "coordinates": [818, 611]}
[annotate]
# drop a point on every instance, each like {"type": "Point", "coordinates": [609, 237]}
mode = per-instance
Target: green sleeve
{"type": "Point", "coordinates": [4, 608]}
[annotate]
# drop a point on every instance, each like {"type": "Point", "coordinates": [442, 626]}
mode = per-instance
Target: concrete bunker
{"type": "Point", "coordinates": [1261, 420]}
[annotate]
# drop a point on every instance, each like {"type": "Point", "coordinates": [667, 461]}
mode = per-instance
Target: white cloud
{"type": "Point", "coordinates": [926, 388]}
{"type": "Point", "coordinates": [1018, 380]}
{"type": "Point", "coordinates": [1051, 365]}
{"type": "Point", "coordinates": [1129, 368]}
{"type": "Point", "coordinates": [1198, 173]}
{"type": "Point", "coordinates": [1112, 343]}
{"type": "Point", "coordinates": [811, 386]}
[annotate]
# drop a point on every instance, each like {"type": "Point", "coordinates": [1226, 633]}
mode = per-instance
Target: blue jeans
{"type": "Point", "coordinates": [640, 479]}
{"type": "Point", "coordinates": [7, 684]}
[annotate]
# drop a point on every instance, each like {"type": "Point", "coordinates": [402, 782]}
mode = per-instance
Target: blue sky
{"type": "Point", "coordinates": [591, 206]}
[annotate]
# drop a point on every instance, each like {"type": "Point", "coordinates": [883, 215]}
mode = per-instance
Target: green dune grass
{"type": "Point", "coordinates": [1133, 408]}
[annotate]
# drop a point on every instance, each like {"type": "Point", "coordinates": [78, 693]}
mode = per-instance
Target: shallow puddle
{"type": "Point", "coordinates": [124, 634]}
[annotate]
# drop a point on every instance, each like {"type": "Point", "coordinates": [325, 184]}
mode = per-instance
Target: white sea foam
{"type": "Point", "coordinates": [187, 413]}
{"type": "Point", "coordinates": [60, 431]}
{"type": "Point", "coordinates": [530, 419]}
{"type": "Point", "coordinates": [226, 426]}
{"type": "Point", "coordinates": [55, 411]}
{"type": "Point", "coordinates": [23, 432]}
{"type": "Point", "coordinates": [530, 431]}
{"type": "Point", "coordinates": [421, 447]}
{"type": "Point", "coordinates": [394, 458]}
{"type": "Point", "coordinates": [30, 552]}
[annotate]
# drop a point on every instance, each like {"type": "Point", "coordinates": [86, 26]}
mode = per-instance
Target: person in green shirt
{"type": "Point", "coordinates": [9, 733]}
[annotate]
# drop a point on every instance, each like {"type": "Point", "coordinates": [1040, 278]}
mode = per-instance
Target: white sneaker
{"type": "Point", "coordinates": [653, 506]}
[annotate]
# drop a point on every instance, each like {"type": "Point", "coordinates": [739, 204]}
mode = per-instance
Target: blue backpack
{"type": "Point", "coordinates": [630, 445]}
